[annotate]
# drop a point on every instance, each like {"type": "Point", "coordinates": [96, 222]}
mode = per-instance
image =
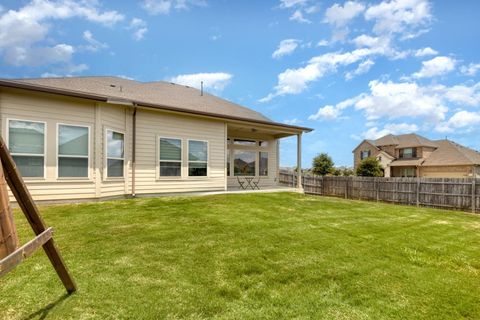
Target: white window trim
{"type": "Point", "coordinates": [158, 176]}
{"type": "Point", "coordinates": [44, 155]}
{"type": "Point", "coordinates": [106, 177]}
{"type": "Point", "coordinates": [257, 148]}
{"type": "Point", "coordinates": [57, 155]}
{"type": "Point", "coordinates": [188, 160]}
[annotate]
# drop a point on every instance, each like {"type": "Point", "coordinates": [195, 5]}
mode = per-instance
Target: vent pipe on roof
{"type": "Point", "coordinates": [201, 88]}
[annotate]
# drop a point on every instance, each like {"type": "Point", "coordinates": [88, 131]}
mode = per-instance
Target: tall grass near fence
{"type": "Point", "coordinates": [448, 193]}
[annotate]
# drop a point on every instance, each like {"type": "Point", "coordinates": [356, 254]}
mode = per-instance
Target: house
{"type": "Point", "coordinates": [411, 155]}
{"type": "Point", "coordinates": [102, 137]}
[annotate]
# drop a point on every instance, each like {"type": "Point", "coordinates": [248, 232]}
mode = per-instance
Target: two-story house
{"type": "Point", "coordinates": [411, 155]}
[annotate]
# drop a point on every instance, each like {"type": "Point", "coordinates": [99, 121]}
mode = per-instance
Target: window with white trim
{"type": "Point", "coordinates": [115, 154]}
{"type": "Point", "coordinates": [197, 158]}
{"type": "Point", "coordinates": [73, 146]}
{"type": "Point", "coordinates": [26, 142]}
{"type": "Point", "coordinates": [170, 157]}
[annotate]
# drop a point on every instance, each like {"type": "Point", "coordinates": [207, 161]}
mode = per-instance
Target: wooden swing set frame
{"type": "Point", "coordinates": [44, 235]}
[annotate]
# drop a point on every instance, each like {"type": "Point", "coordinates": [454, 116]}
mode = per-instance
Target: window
{"type": "Point", "coordinates": [72, 151]}
{"type": "Point", "coordinates": [364, 154]}
{"type": "Point", "coordinates": [263, 163]}
{"type": "Point", "coordinates": [115, 154]}
{"type": "Point", "coordinates": [26, 141]}
{"type": "Point", "coordinates": [170, 157]}
{"type": "Point", "coordinates": [408, 172]}
{"type": "Point", "coordinates": [197, 158]}
{"type": "Point", "coordinates": [244, 163]}
{"type": "Point", "coordinates": [407, 153]}
{"type": "Point", "coordinates": [242, 142]}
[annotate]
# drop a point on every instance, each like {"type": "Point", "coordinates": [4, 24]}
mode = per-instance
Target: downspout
{"type": "Point", "coordinates": [134, 138]}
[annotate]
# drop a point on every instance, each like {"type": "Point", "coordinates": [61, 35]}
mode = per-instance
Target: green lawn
{"type": "Point", "coordinates": [251, 256]}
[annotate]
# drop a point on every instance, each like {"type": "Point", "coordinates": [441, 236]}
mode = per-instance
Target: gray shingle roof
{"type": "Point", "coordinates": [158, 94]}
{"type": "Point", "coordinates": [451, 153]}
{"type": "Point", "coordinates": [404, 141]}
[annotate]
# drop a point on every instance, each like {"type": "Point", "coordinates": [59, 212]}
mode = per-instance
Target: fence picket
{"type": "Point", "coordinates": [448, 193]}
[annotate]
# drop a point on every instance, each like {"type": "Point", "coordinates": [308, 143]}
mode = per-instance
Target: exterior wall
{"type": "Point", "coordinates": [397, 171]}
{"type": "Point", "coordinates": [389, 149]}
{"type": "Point", "coordinates": [272, 149]}
{"type": "Point", "coordinates": [99, 117]}
{"type": "Point", "coordinates": [447, 172]}
{"type": "Point", "coordinates": [364, 146]}
{"type": "Point", "coordinates": [426, 152]}
{"type": "Point", "coordinates": [151, 126]}
{"type": "Point", "coordinates": [52, 110]}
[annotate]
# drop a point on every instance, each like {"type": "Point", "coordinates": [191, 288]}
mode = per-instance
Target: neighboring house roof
{"type": "Point", "coordinates": [445, 153]}
{"type": "Point", "coordinates": [404, 141]}
{"type": "Point", "coordinates": [406, 162]}
{"type": "Point", "coordinates": [451, 153]}
{"type": "Point", "coordinates": [158, 94]}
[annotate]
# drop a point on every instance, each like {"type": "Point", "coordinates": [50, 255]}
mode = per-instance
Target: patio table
{"type": "Point", "coordinates": [249, 182]}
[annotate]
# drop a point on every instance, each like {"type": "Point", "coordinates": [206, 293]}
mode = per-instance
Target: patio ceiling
{"type": "Point", "coordinates": [253, 131]}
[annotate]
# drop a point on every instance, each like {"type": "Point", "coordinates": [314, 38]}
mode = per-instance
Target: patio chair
{"type": "Point", "coordinates": [255, 184]}
{"type": "Point", "coordinates": [241, 183]}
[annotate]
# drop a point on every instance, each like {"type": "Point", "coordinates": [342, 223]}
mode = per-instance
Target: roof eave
{"type": "Point", "coordinates": [102, 98]}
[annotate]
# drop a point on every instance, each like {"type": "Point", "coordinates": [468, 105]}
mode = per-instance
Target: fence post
{"type": "Point", "coordinates": [418, 192]}
{"type": "Point", "coordinates": [474, 195]}
{"type": "Point", "coordinates": [377, 188]}
{"type": "Point", "coordinates": [346, 188]}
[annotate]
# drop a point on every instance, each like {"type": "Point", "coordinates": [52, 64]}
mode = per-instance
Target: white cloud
{"type": "Point", "coordinates": [399, 16]}
{"type": "Point", "coordinates": [156, 7]}
{"type": "Point", "coordinates": [139, 28]}
{"type": "Point", "coordinates": [340, 16]}
{"type": "Point", "coordinates": [294, 81]}
{"type": "Point", "coordinates": [470, 70]}
{"type": "Point", "coordinates": [425, 52]}
{"type": "Point", "coordinates": [285, 4]}
{"type": "Point", "coordinates": [390, 100]}
{"type": "Point", "coordinates": [216, 81]}
{"type": "Point", "coordinates": [323, 43]}
{"type": "Point", "coordinates": [436, 67]}
{"type": "Point", "coordinates": [286, 47]}
{"type": "Point", "coordinates": [460, 120]}
{"type": "Point", "coordinates": [391, 128]}
{"type": "Point", "coordinates": [362, 68]}
{"type": "Point", "coordinates": [22, 31]}
{"type": "Point", "coordinates": [298, 17]}
{"type": "Point", "coordinates": [330, 112]}
{"type": "Point", "coordinates": [293, 121]}
{"type": "Point", "coordinates": [93, 44]}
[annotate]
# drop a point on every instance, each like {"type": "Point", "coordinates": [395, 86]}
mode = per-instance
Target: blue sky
{"type": "Point", "coordinates": [350, 70]}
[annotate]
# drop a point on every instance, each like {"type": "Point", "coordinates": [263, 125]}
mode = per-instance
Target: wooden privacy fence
{"type": "Point", "coordinates": [448, 193]}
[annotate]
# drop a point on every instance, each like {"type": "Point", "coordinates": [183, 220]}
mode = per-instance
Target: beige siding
{"type": "Point", "coordinates": [52, 110]}
{"type": "Point", "coordinates": [265, 181]}
{"type": "Point", "coordinates": [114, 118]}
{"type": "Point", "coordinates": [152, 125]}
{"type": "Point", "coordinates": [100, 117]}
{"type": "Point", "coordinates": [446, 172]}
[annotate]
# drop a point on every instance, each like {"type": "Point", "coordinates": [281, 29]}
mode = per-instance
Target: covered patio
{"type": "Point", "coordinates": [253, 155]}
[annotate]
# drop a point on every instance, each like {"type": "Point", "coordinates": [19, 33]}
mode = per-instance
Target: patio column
{"type": "Point", "coordinates": [299, 161]}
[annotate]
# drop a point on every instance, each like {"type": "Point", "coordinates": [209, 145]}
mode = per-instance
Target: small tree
{"type": "Point", "coordinates": [322, 164]}
{"type": "Point", "coordinates": [370, 167]}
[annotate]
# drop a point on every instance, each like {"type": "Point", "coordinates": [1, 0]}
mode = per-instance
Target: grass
{"type": "Point", "coordinates": [251, 256]}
